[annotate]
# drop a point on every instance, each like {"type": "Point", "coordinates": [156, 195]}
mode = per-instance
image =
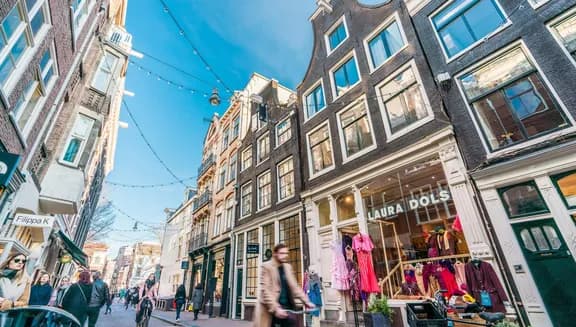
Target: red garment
{"type": "Point", "coordinates": [450, 283]}
{"type": "Point", "coordinates": [363, 247]}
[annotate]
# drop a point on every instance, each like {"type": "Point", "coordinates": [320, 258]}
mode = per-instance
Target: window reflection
{"type": "Point", "coordinates": [346, 206]}
{"type": "Point", "coordinates": [566, 184]}
{"type": "Point", "coordinates": [523, 200]}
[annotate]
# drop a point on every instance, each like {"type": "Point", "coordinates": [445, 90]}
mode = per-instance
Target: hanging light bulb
{"type": "Point", "coordinates": [215, 98]}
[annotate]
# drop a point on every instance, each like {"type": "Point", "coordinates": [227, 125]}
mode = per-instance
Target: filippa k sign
{"type": "Point", "coordinates": [22, 219]}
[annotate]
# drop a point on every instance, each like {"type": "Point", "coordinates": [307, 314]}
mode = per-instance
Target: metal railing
{"type": "Point", "coordinates": [198, 242]}
{"type": "Point", "coordinates": [201, 201]}
{"type": "Point", "coordinates": [96, 101]}
{"type": "Point", "coordinates": [206, 163]}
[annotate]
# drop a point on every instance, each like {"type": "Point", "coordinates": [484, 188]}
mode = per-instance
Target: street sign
{"type": "Point", "coordinates": [253, 248]}
{"type": "Point", "coordinates": [184, 265]}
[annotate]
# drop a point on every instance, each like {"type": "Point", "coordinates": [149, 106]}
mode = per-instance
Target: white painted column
{"type": "Point", "coordinates": [312, 225]}
{"type": "Point", "coordinates": [463, 196]}
{"type": "Point", "coordinates": [360, 212]}
{"type": "Point", "coordinates": [334, 222]}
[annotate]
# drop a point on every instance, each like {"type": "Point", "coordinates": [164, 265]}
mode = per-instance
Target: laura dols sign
{"type": "Point", "coordinates": [392, 210]}
{"type": "Point", "coordinates": [22, 219]}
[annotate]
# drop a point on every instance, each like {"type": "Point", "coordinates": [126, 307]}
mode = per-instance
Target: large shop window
{"type": "Point", "coordinates": [465, 22]}
{"type": "Point", "coordinates": [412, 220]}
{"type": "Point", "coordinates": [320, 149]}
{"type": "Point", "coordinates": [403, 101]}
{"type": "Point", "coordinates": [511, 101]}
{"type": "Point", "coordinates": [566, 32]}
{"type": "Point", "coordinates": [523, 200]}
{"type": "Point", "coordinates": [289, 231]}
{"type": "Point", "coordinates": [566, 185]}
{"type": "Point", "coordinates": [267, 241]}
{"type": "Point", "coordinates": [356, 129]}
{"type": "Point", "coordinates": [251, 266]}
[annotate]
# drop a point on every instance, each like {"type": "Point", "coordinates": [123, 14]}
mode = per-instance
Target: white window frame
{"type": "Point", "coordinates": [80, 16]}
{"type": "Point", "coordinates": [258, 191]}
{"type": "Point", "coordinates": [414, 6]}
{"type": "Point", "coordinates": [345, 157]}
{"type": "Point", "coordinates": [341, 20]}
{"type": "Point", "coordinates": [557, 98]}
{"type": "Point", "coordinates": [39, 5]}
{"type": "Point", "coordinates": [288, 131]}
{"type": "Point", "coordinates": [233, 163]}
{"type": "Point", "coordinates": [394, 18]}
{"type": "Point", "coordinates": [264, 136]}
{"type": "Point", "coordinates": [537, 5]}
{"type": "Point", "coordinates": [320, 83]}
{"type": "Point", "coordinates": [556, 21]}
{"type": "Point", "coordinates": [278, 184]}
{"type": "Point", "coordinates": [242, 213]}
{"type": "Point", "coordinates": [100, 70]}
{"type": "Point", "coordinates": [230, 212]}
{"type": "Point", "coordinates": [225, 139]}
{"type": "Point", "coordinates": [242, 155]}
{"type": "Point", "coordinates": [217, 220]}
{"type": "Point", "coordinates": [235, 134]}
{"type": "Point", "coordinates": [338, 65]}
{"type": "Point", "coordinates": [82, 145]}
{"type": "Point", "coordinates": [309, 151]}
{"type": "Point", "coordinates": [387, 128]}
{"type": "Point", "coordinates": [222, 178]}
{"type": "Point", "coordinates": [449, 59]}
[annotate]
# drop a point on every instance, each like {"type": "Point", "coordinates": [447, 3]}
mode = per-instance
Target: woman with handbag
{"type": "Point", "coordinates": [14, 283]}
{"type": "Point", "coordinates": [77, 297]}
{"type": "Point", "coordinates": [197, 298]}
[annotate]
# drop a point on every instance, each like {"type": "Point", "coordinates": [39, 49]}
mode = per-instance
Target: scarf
{"type": "Point", "coordinates": [9, 273]}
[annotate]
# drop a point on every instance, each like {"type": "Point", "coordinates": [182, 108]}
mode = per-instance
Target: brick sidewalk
{"type": "Point", "coordinates": [187, 320]}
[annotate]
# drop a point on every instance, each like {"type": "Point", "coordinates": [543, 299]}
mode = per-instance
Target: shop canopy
{"type": "Point", "coordinates": [80, 257]}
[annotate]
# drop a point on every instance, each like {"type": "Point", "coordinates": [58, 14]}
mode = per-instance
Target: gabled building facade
{"type": "Point", "coordinates": [379, 156]}
{"type": "Point", "coordinates": [509, 92]}
{"type": "Point", "coordinates": [269, 180]}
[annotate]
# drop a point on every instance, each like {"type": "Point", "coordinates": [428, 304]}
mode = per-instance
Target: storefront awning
{"type": "Point", "coordinates": [80, 257]}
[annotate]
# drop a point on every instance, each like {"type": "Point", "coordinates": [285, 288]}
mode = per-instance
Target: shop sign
{"type": "Point", "coordinates": [253, 248]}
{"type": "Point", "coordinates": [27, 220]}
{"type": "Point", "coordinates": [391, 211]}
{"type": "Point", "coordinates": [65, 258]}
{"type": "Point", "coordinates": [8, 165]}
{"type": "Point", "coordinates": [184, 265]}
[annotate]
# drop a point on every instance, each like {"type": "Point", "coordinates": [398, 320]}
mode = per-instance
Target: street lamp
{"type": "Point", "coordinates": [215, 98]}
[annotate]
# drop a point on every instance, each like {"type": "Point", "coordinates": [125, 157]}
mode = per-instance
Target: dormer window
{"type": "Point", "coordinates": [336, 35]}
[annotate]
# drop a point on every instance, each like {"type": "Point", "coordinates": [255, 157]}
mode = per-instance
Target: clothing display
{"type": "Point", "coordinates": [340, 278]}
{"type": "Point", "coordinates": [363, 246]}
{"type": "Point", "coordinates": [410, 286]}
{"type": "Point", "coordinates": [354, 278]}
{"type": "Point", "coordinates": [441, 243]}
{"type": "Point", "coordinates": [480, 276]}
{"type": "Point", "coordinates": [313, 288]}
{"type": "Point", "coordinates": [459, 267]}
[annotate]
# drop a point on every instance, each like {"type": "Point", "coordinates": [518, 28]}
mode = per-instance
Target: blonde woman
{"type": "Point", "coordinates": [14, 283]}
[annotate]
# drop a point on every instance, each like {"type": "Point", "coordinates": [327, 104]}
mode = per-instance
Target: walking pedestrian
{"type": "Point", "coordinates": [197, 299]}
{"type": "Point", "coordinates": [99, 297]}
{"type": "Point", "coordinates": [58, 293]}
{"type": "Point", "coordinates": [135, 296]}
{"type": "Point", "coordinates": [77, 297]}
{"type": "Point", "coordinates": [279, 288]}
{"type": "Point", "coordinates": [14, 283]}
{"type": "Point", "coordinates": [180, 299]}
{"type": "Point", "coordinates": [127, 299]}
{"type": "Point", "coordinates": [41, 292]}
{"type": "Point", "coordinates": [109, 304]}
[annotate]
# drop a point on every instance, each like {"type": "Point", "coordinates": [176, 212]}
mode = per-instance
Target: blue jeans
{"type": "Point", "coordinates": [179, 305]}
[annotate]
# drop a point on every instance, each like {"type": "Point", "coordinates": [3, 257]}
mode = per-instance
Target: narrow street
{"type": "Point", "coordinates": [125, 318]}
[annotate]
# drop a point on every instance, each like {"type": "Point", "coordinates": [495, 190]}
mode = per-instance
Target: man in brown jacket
{"type": "Point", "coordinates": [278, 289]}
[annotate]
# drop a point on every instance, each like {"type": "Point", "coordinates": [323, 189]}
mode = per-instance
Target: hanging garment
{"type": "Point", "coordinates": [433, 246]}
{"type": "Point", "coordinates": [314, 292]}
{"type": "Point", "coordinates": [419, 278]}
{"type": "Point", "coordinates": [346, 242]}
{"type": "Point", "coordinates": [449, 281]}
{"type": "Point", "coordinates": [480, 276]}
{"type": "Point", "coordinates": [460, 273]}
{"type": "Point", "coordinates": [340, 277]}
{"type": "Point", "coordinates": [410, 286]}
{"type": "Point", "coordinates": [354, 278]}
{"type": "Point", "coordinates": [457, 225]}
{"type": "Point", "coordinates": [363, 247]}
{"type": "Point", "coordinates": [449, 244]}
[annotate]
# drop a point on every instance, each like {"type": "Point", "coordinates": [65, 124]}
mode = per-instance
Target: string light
{"type": "Point", "coordinates": [149, 185]}
{"type": "Point", "coordinates": [169, 82]}
{"type": "Point", "coordinates": [194, 49]}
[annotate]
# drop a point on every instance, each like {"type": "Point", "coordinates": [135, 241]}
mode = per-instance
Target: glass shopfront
{"type": "Point", "coordinates": [412, 220]}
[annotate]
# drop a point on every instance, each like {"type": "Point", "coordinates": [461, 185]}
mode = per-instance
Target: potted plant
{"type": "Point", "coordinates": [379, 314]}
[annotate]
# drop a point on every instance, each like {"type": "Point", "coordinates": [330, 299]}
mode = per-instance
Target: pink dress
{"type": "Point", "coordinates": [363, 247]}
{"type": "Point", "coordinates": [340, 280]}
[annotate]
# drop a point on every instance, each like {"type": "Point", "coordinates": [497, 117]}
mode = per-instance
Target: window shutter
{"type": "Point", "coordinates": [90, 144]}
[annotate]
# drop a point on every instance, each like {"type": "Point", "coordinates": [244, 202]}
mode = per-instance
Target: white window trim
{"type": "Point", "coordinates": [291, 158]}
{"type": "Point", "coordinates": [345, 157]}
{"type": "Point", "coordinates": [242, 215]}
{"type": "Point", "coordinates": [449, 59]}
{"type": "Point", "coordinates": [242, 168]}
{"type": "Point", "coordinates": [395, 17]}
{"type": "Point", "coordinates": [307, 93]}
{"type": "Point", "coordinates": [339, 64]}
{"type": "Point", "coordinates": [535, 5]}
{"type": "Point", "coordinates": [276, 135]}
{"type": "Point", "coordinates": [235, 166]}
{"type": "Point", "coordinates": [258, 208]}
{"type": "Point", "coordinates": [265, 135]}
{"type": "Point", "coordinates": [222, 183]}
{"type": "Point", "coordinates": [332, 28]}
{"type": "Point", "coordinates": [557, 20]}
{"type": "Point", "coordinates": [232, 127]}
{"type": "Point", "coordinates": [89, 4]}
{"type": "Point", "coordinates": [309, 152]}
{"type": "Point", "coordinates": [82, 146]}
{"type": "Point", "coordinates": [387, 128]}
{"type": "Point", "coordinates": [490, 155]}
{"type": "Point", "coordinates": [414, 6]}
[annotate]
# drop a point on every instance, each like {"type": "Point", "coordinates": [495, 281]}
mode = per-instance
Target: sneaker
{"type": "Point", "coordinates": [177, 319]}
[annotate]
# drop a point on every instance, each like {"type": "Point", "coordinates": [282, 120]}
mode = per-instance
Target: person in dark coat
{"type": "Point", "coordinates": [78, 296]}
{"type": "Point", "coordinates": [109, 302]}
{"type": "Point", "coordinates": [180, 299]}
{"type": "Point", "coordinates": [197, 299]}
{"type": "Point", "coordinates": [41, 292]}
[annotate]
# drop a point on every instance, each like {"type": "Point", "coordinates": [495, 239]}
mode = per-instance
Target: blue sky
{"type": "Point", "coordinates": [273, 38]}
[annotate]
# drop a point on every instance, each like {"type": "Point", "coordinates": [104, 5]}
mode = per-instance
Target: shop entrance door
{"type": "Point", "coordinates": [239, 273]}
{"type": "Point", "coordinates": [552, 267]}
